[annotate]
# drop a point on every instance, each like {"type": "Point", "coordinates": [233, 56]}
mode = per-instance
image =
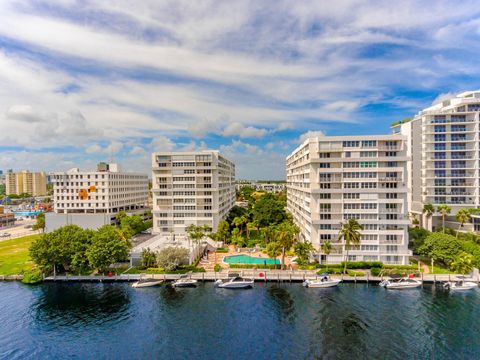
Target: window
{"type": "Point", "coordinates": [369, 143]}
{"type": "Point", "coordinates": [351, 144]}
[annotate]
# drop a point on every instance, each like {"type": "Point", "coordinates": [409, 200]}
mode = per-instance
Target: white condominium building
{"type": "Point", "coordinates": [191, 188]}
{"type": "Point", "coordinates": [335, 178]}
{"type": "Point", "coordinates": [107, 190]}
{"type": "Point", "coordinates": [25, 182]}
{"type": "Point", "coordinates": [444, 147]}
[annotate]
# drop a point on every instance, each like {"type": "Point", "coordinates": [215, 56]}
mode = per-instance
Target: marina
{"type": "Point", "coordinates": [275, 320]}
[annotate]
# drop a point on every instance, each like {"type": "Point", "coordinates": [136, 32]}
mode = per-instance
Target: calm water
{"type": "Point", "coordinates": [114, 321]}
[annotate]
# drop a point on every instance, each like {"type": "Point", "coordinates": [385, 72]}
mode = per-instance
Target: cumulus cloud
{"type": "Point", "coordinates": [162, 143]}
{"type": "Point", "coordinates": [309, 134]}
{"type": "Point", "coordinates": [137, 150]}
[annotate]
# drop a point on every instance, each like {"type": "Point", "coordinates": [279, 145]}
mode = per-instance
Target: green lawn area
{"type": "Point", "coordinates": [14, 258]}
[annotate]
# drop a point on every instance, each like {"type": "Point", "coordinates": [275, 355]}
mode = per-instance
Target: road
{"type": "Point", "coordinates": [18, 230]}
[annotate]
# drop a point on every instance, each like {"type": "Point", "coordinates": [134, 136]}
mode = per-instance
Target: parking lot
{"type": "Point", "coordinates": [21, 228]}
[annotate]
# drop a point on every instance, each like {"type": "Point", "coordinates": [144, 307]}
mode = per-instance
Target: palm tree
{"type": "Point", "coordinates": [444, 210]}
{"type": "Point", "coordinates": [327, 249]}
{"type": "Point", "coordinates": [286, 236]}
{"type": "Point", "coordinates": [462, 216]}
{"type": "Point", "coordinates": [428, 210]}
{"type": "Point", "coordinates": [351, 235]}
{"type": "Point", "coordinates": [414, 219]}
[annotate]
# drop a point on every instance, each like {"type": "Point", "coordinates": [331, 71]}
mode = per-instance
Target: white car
{"type": "Point", "coordinates": [4, 235]}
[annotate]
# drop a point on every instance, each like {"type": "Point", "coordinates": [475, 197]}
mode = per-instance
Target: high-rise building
{"type": "Point", "coordinates": [444, 148]}
{"type": "Point", "coordinates": [191, 188]}
{"type": "Point", "coordinates": [333, 179]}
{"type": "Point", "coordinates": [25, 182]}
{"type": "Point", "coordinates": [91, 199]}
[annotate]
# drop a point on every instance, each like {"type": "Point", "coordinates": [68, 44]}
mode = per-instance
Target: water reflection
{"type": "Point", "coordinates": [80, 303]}
{"type": "Point", "coordinates": [283, 301]}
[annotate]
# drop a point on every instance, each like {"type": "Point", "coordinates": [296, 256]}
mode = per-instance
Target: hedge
{"type": "Point", "coordinates": [362, 264]}
{"type": "Point", "coordinates": [221, 250]}
{"type": "Point", "coordinates": [253, 266]}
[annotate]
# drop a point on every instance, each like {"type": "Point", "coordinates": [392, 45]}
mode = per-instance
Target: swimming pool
{"type": "Point", "coordinates": [26, 213]}
{"type": "Point", "coordinates": [245, 259]}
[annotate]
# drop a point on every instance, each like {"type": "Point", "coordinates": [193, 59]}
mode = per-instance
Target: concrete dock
{"type": "Point", "coordinates": [257, 275]}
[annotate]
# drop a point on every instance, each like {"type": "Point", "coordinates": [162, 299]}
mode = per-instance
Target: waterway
{"type": "Point", "coordinates": [271, 321]}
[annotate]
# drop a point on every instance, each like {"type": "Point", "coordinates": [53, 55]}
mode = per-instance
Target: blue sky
{"type": "Point", "coordinates": [85, 81]}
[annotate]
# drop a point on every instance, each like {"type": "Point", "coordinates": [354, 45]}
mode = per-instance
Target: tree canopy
{"type": "Point", "coordinates": [269, 211]}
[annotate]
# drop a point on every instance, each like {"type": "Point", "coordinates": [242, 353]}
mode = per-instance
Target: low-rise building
{"type": "Point", "coordinates": [91, 199]}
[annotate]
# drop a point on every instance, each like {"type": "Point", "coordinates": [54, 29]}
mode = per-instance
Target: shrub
{"type": "Point", "coordinates": [355, 273]}
{"type": "Point", "coordinates": [172, 257]}
{"type": "Point", "coordinates": [401, 267]}
{"type": "Point", "coordinates": [375, 271]}
{"type": "Point", "coordinates": [362, 264]}
{"type": "Point", "coordinates": [222, 250]}
{"type": "Point", "coordinates": [217, 268]}
{"type": "Point", "coordinates": [32, 277]}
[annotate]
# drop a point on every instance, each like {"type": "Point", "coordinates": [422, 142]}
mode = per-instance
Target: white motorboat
{"type": "Point", "coordinates": [401, 283]}
{"type": "Point", "coordinates": [236, 282]}
{"type": "Point", "coordinates": [460, 285]}
{"type": "Point", "coordinates": [147, 282]}
{"type": "Point", "coordinates": [323, 282]}
{"type": "Point", "coordinates": [184, 281]}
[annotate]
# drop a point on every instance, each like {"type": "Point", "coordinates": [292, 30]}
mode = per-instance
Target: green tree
{"type": "Point", "coordinates": [441, 247]}
{"type": "Point", "coordinates": [170, 258]}
{"type": "Point", "coordinates": [237, 239]}
{"type": "Point", "coordinates": [327, 248]}
{"type": "Point", "coordinates": [135, 223]}
{"type": "Point", "coordinates": [269, 211]}
{"type": "Point", "coordinates": [273, 250]}
{"type": "Point", "coordinates": [148, 258]}
{"type": "Point", "coordinates": [108, 247]}
{"type": "Point", "coordinates": [414, 219]}
{"type": "Point", "coordinates": [120, 216]}
{"type": "Point", "coordinates": [428, 210]}
{"type": "Point", "coordinates": [60, 247]}
{"type": "Point", "coordinates": [286, 235]}
{"type": "Point", "coordinates": [462, 216]}
{"type": "Point", "coordinates": [350, 234]}
{"type": "Point", "coordinates": [223, 231]}
{"type": "Point", "coordinates": [303, 250]}
{"type": "Point", "coordinates": [444, 210]}
{"type": "Point", "coordinates": [417, 236]}
{"type": "Point", "coordinates": [40, 224]}
{"type": "Point", "coordinates": [463, 263]}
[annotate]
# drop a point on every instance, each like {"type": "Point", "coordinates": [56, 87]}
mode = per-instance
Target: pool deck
{"type": "Point", "coordinates": [217, 258]}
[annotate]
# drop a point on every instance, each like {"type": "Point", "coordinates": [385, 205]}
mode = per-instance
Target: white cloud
{"type": "Point", "coordinates": [93, 149]}
{"type": "Point", "coordinates": [162, 143]}
{"type": "Point", "coordinates": [238, 129]}
{"type": "Point", "coordinates": [137, 150]}
{"type": "Point", "coordinates": [309, 134]}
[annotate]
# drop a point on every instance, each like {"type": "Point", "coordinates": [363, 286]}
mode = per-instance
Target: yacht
{"type": "Point", "coordinates": [460, 285]}
{"type": "Point", "coordinates": [401, 283]}
{"type": "Point", "coordinates": [184, 281]}
{"type": "Point", "coordinates": [236, 282]}
{"type": "Point", "coordinates": [323, 282]}
{"type": "Point", "coordinates": [147, 282]}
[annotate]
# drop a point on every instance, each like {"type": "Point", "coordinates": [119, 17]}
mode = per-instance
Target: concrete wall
{"type": "Point", "coordinates": [54, 221]}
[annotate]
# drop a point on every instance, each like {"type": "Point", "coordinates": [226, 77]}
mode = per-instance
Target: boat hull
{"type": "Point", "coordinates": [402, 287]}
{"type": "Point", "coordinates": [138, 285]}
{"type": "Point", "coordinates": [466, 286]}
{"type": "Point", "coordinates": [192, 283]}
{"type": "Point", "coordinates": [320, 284]}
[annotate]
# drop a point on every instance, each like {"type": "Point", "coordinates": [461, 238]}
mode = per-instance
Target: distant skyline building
{"type": "Point", "coordinates": [333, 179]}
{"type": "Point", "coordinates": [91, 199]}
{"type": "Point", "coordinates": [25, 182]}
{"type": "Point", "coordinates": [193, 187]}
{"type": "Point", "coordinates": [445, 151]}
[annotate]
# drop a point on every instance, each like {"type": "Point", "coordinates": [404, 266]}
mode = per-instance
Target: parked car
{"type": "Point", "coordinates": [27, 227]}
{"type": "Point", "coordinates": [4, 235]}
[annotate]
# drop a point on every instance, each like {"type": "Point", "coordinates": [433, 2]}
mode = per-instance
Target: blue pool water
{"type": "Point", "coordinates": [245, 259]}
{"type": "Point", "coordinates": [26, 213]}
{"type": "Point", "coordinates": [274, 321]}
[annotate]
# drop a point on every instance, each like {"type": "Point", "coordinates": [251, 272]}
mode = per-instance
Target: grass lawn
{"type": "Point", "coordinates": [14, 258]}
